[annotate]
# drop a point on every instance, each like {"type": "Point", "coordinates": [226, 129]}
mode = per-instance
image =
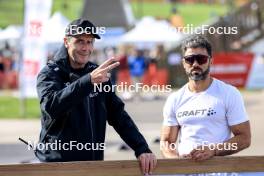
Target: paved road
{"type": "Point", "coordinates": [148, 117]}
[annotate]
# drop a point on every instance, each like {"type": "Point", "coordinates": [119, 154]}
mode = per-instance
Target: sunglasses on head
{"type": "Point", "coordinates": [201, 59]}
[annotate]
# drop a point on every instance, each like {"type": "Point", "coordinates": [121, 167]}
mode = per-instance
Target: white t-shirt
{"type": "Point", "coordinates": [204, 117]}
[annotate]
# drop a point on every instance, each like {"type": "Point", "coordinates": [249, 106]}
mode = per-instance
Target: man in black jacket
{"type": "Point", "coordinates": [74, 115]}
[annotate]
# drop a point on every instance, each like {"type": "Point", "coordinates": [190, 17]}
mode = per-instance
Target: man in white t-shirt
{"type": "Point", "coordinates": [204, 113]}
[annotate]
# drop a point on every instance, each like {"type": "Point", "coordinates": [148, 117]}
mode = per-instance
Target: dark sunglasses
{"type": "Point", "coordinates": [201, 59]}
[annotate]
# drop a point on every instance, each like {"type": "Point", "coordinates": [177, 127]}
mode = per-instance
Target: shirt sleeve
{"type": "Point", "coordinates": [236, 112]}
{"type": "Point", "coordinates": [169, 115]}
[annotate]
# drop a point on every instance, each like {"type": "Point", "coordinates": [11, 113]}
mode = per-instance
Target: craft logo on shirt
{"type": "Point", "coordinates": [197, 112]}
{"type": "Point", "coordinates": [210, 112]}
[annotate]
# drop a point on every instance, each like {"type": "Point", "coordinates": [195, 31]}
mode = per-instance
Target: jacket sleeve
{"type": "Point", "coordinates": [55, 97]}
{"type": "Point", "coordinates": [124, 125]}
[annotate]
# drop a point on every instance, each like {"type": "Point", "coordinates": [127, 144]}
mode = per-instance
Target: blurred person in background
{"type": "Point", "coordinates": [137, 67]}
{"type": "Point", "coordinates": [2, 66]}
{"type": "Point", "coordinates": [123, 72]}
{"type": "Point", "coordinates": [204, 113]}
{"type": "Point", "coordinates": [122, 57]}
{"type": "Point", "coordinates": [2, 70]}
{"type": "Point", "coordinates": [152, 66]}
{"type": "Point", "coordinates": [8, 54]}
{"type": "Point", "coordinates": [109, 53]}
{"type": "Point", "coordinates": [176, 20]}
{"type": "Point", "coordinates": [71, 109]}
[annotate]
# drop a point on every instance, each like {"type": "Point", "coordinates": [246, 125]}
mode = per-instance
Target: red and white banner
{"type": "Point", "coordinates": [239, 69]}
{"type": "Point", "coordinates": [37, 13]}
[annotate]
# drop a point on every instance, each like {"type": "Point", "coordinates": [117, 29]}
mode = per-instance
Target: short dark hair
{"type": "Point", "coordinates": [197, 42]}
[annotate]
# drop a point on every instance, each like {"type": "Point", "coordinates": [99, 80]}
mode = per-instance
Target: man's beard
{"type": "Point", "coordinates": [198, 76]}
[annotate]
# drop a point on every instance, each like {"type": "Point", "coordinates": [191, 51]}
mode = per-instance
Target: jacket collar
{"type": "Point", "coordinates": [61, 58]}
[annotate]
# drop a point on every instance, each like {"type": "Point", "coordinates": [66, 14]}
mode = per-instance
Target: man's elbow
{"type": "Point", "coordinates": [246, 142]}
{"type": "Point", "coordinates": [48, 108]}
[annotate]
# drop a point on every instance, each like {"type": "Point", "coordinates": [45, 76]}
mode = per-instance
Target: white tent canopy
{"type": "Point", "coordinates": [54, 29]}
{"type": "Point", "coordinates": [110, 37]}
{"type": "Point", "coordinates": [11, 32]}
{"type": "Point", "coordinates": [149, 30]}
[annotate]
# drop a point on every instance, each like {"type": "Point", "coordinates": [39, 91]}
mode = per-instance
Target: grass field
{"type": "Point", "coordinates": [192, 13]}
{"type": "Point", "coordinates": [11, 11]}
{"type": "Point", "coordinates": [10, 108]}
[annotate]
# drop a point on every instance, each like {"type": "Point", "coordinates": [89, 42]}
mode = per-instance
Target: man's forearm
{"type": "Point", "coordinates": [233, 145]}
{"type": "Point", "coordinates": [167, 150]}
{"type": "Point", "coordinates": [170, 154]}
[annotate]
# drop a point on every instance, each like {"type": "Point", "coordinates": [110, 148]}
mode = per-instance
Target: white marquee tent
{"type": "Point", "coordinates": [11, 32]}
{"type": "Point", "coordinates": [54, 29]}
{"type": "Point", "coordinates": [149, 30]}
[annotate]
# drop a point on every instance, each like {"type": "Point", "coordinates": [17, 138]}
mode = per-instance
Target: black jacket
{"type": "Point", "coordinates": [72, 111]}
